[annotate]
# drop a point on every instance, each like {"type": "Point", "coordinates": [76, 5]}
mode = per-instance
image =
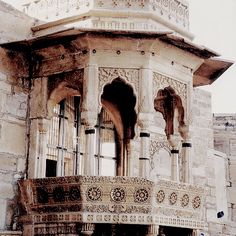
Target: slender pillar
{"type": "Point", "coordinates": [89, 156]}
{"type": "Point", "coordinates": [42, 153]}
{"type": "Point", "coordinates": [144, 159]}
{"type": "Point", "coordinates": [89, 117]}
{"type": "Point", "coordinates": [187, 161]}
{"type": "Point", "coordinates": [175, 141]}
{"type": "Point", "coordinates": [153, 230]}
{"type": "Point", "coordinates": [145, 119]}
{"type": "Point", "coordinates": [87, 229]}
{"type": "Point", "coordinates": [175, 165]}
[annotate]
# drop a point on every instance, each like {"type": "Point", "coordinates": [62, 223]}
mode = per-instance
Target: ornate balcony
{"type": "Point", "coordinates": [110, 200]}
{"type": "Point", "coordinates": [145, 15]}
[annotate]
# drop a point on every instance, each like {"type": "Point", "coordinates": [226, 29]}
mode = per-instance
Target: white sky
{"type": "Point", "coordinates": [213, 22]}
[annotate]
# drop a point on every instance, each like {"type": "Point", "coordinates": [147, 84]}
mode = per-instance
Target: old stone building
{"type": "Point", "coordinates": [103, 129]}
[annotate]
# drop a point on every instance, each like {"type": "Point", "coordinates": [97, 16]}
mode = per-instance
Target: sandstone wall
{"type": "Point", "coordinates": [225, 141]}
{"type": "Point", "coordinates": [209, 166]}
{"type": "Point", "coordinates": [13, 109]}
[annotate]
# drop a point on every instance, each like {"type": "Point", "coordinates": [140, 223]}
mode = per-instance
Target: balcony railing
{"type": "Point", "coordinates": [173, 11]}
{"type": "Point", "coordinates": [123, 200]}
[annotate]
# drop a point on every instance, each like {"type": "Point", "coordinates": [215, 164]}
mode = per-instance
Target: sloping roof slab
{"type": "Point", "coordinates": [210, 71]}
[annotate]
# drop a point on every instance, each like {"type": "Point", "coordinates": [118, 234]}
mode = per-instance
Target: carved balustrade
{"type": "Point", "coordinates": [174, 11]}
{"type": "Point", "coordinates": [123, 200]}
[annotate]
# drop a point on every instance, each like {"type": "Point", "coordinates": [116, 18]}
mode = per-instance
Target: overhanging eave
{"type": "Point", "coordinates": [210, 71]}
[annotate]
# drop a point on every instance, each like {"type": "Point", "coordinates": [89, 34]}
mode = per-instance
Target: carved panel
{"type": "Point", "coordinates": [128, 200]}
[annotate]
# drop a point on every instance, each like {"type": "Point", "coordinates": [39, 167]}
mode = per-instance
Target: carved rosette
{"type": "Point", "coordinates": [130, 76]}
{"type": "Point", "coordinates": [185, 200]}
{"type": "Point", "coordinates": [141, 195]}
{"type": "Point", "coordinates": [117, 194]}
{"type": "Point", "coordinates": [160, 196]}
{"type": "Point", "coordinates": [94, 194]}
{"type": "Point", "coordinates": [196, 202]}
{"type": "Point", "coordinates": [173, 198]}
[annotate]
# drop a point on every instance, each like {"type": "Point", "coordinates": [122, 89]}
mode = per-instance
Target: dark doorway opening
{"type": "Point", "coordinates": [120, 230]}
{"type": "Point", "coordinates": [173, 231]}
{"type": "Point", "coordinates": [51, 168]}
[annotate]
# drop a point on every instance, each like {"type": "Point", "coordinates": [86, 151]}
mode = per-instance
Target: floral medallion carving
{"type": "Point", "coordinates": [185, 200]}
{"type": "Point", "coordinates": [74, 193]}
{"type": "Point", "coordinates": [173, 198]}
{"type": "Point", "coordinates": [160, 196]}
{"type": "Point", "coordinates": [94, 194]}
{"type": "Point", "coordinates": [196, 202]}
{"type": "Point", "coordinates": [58, 194]}
{"type": "Point", "coordinates": [141, 195]}
{"type": "Point", "coordinates": [42, 195]}
{"type": "Point", "coordinates": [117, 194]}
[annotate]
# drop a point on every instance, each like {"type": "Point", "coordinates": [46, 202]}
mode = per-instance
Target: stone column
{"type": "Point", "coordinates": [175, 141]}
{"type": "Point", "coordinates": [38, 148]}
{"type": "Point", "coordinates": [42, 147]}
{"type": "Point", "coordinates": [146, 108]}
{"type": "Point", "coordinates": [175, 165]}
{"type": "Point", "coordinates": [153, 230]}
{"type": "Point", "coordinates": [38, 128]}
{"type": "Point", "coordinates": [186, 161]}
{"type": "Point", "coordinates": [87, 229]}
{"type": "Point", "coordinates": [144, 159]}
{"type": "Point", "coordinates": [89, 117]}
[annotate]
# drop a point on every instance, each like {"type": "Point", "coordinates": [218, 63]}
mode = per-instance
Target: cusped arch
{"type": "Point", "coordinates": [108, 75]}
{"type": "Point", "coordinates": [170, 105]}
{"type": "Point", "coordinates": [119, 101]}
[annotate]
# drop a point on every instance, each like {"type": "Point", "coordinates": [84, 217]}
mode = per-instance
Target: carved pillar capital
{"type": "Point", "coordinates": [43, 125]}
{"type": "Point", "coordinates": [153, 230]}
{"type": "Point", "coordinates": [87, 229]}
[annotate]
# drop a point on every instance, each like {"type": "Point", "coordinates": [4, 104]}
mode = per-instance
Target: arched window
{"type": "Point", "coordinates": [64, 144]}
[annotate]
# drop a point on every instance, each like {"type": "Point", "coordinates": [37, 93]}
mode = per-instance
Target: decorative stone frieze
{"type": "Point", "coordinates": [126, 200]}
{"type": "Point", "coordinates": [172, 11]}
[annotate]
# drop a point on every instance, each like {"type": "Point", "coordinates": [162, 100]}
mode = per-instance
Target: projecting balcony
{"type": "Point", "coordinates": [136, 15]}
{"type": "Point", "coordinates": [111, 200]}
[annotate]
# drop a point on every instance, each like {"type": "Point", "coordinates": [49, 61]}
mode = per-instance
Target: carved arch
{"type": "Point", "coordinates": [119, 101]}
{"type": "Point", "coordinates": [129, 76]}
{"type": "Point", "coordinates": [64, 85]}
{"type": "Point", "coordinates": [170, 104]}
